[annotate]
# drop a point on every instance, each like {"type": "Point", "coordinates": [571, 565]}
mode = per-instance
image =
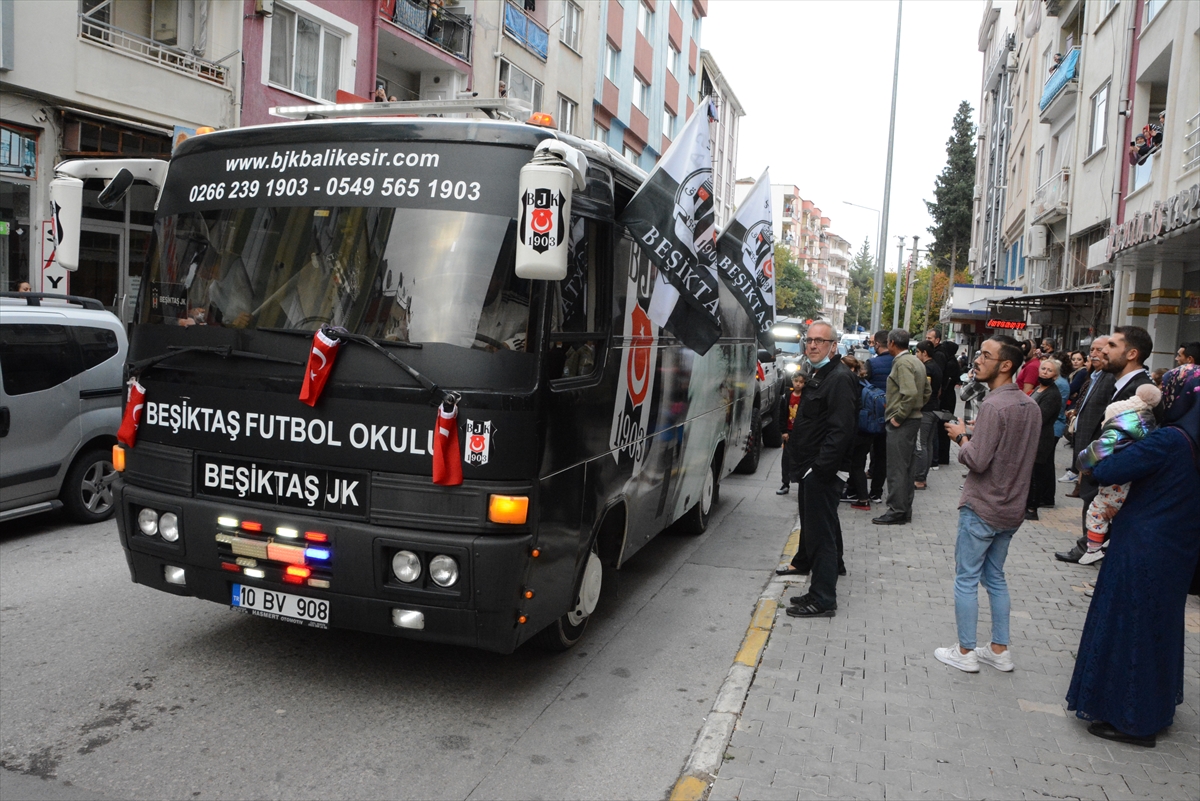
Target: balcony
{"type": "Point", "coordinates": [520, 27]}
{"type": "Point", "coordinates": [1050, 201]}
{"type": "Point", "coordinates": [445, 30]}
{"type": "Point", "coordinates": [1061, 87]}
{"type": "Point", "coordinates": [1191, 154]}
{"type": "Point", "coordinates": [151, 52]}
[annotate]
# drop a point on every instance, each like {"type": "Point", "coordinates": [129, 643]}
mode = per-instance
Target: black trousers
{"type": "Point", "coordinates": [820, 537]}
{"type": "Point", "coordinates": [1041, 486]}
{"type": "Point", "coordinates": [878, 464]}
{"type": "Point", "coordinates": [949, 402]}
{"type": "Point", "coordinates": [1088, 490]}
{"type": "Point", "coordinates": [785, 466]}
{"type": "Point", "coordinates": [858, 468]}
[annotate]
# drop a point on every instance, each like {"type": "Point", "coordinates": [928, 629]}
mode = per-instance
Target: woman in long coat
{"type": "Point", "coordinates": [1049, 401]}
{"type": "Point", "coordinates": [1129, 673]}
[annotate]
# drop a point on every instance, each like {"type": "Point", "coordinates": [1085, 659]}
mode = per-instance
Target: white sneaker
{"type": "Point", "coordinates": [1069, 477]}
{"type": "Point", "coordinates": [954, 657]}
{"type": "Point", "coordinates": [1002, 661]}
{"type": "Point", "coordinates": [1092, 557]}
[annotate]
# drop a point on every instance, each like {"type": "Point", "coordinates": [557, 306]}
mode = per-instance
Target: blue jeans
{"type": "Point", "coordinates": [980, 551]}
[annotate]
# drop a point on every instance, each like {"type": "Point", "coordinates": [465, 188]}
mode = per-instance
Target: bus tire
{"type": "Point", "coordinates": [695, 520]}
{"type": "Point", "coordinates": [749, 463]}
{"type": "Point", "coordinates": [568, 629]}
{"type": "Point", "coordinates": [87, 489]}
{"type": "Point", "coordinates": [772, 434]}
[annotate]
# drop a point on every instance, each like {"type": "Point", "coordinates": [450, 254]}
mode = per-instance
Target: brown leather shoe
{"type": "Point", "coordinates": [1073, 493]}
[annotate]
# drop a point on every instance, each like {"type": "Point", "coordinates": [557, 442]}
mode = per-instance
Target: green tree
{"type": "Point", "coordinates": [795, 295]}
{"type": "Point", "coordinates": [952, 192]}
{"type": "Point", "coordinates": [861, 289]}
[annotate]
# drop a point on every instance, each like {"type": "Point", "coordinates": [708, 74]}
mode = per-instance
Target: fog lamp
{"type": "Point", "coordinates": [174, 575]}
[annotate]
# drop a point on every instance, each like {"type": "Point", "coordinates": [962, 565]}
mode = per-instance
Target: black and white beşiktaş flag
{"type": "Point", "coordinates": [671, 217]}
{"type": "Point", "coordinates": [746, 258]}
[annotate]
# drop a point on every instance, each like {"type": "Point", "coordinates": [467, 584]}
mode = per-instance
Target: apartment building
{"type": "Point", "coordinates": [102, 79]}
{"type": "Point", "coordinates": [1080, 234]}
{"type": "Point", "coordinates": [823, 255]}
{"type": "Point", "coordinates": [647, 82]}
{"type": "Point", "coordinates": [714, 84]}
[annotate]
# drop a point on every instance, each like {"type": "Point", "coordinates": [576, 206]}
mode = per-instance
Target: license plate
{"type": "Point", "coordinates": [281, 605]}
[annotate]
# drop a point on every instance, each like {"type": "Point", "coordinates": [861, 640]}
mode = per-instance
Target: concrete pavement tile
{"type": "Point", "coordinates": [755, 790]}
{"type": "Point", "coordinates": [814, 752]}
{"type": "Point", "coordinates": [808, 780]}
{"type": "Point", "coordinates": [725, 789]}
{"type": "Point", "coordinates": [1084, 792]}
{"type": "Point", "coordinates": [756, 742]}
{"type": "Point", "coordinates": [928, 767]}
{"type": "Point", "coordinates": [1040, 771]}
{"type": "Point", "coordinates": [748, 725]}
{"type": "Point", "coordinates": [847, 771]}
{"type": "Point", "coordinates": [853, 756]}
{"type": "Point", "coordinates": [896, 778]}
{"type": "Point", "coordinates": [841, 788]}
{"type": "Point", "coordinates": [754, 765]}
{"type": "Point", "coordinates": [944, 785]}
{"type": "Point", "coordinates": [1055, 757]}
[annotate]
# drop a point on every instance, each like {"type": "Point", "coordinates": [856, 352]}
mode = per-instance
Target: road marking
{"type": "Point", "coordinates": [709, 749]}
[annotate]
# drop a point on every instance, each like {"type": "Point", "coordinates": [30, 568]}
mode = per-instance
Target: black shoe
{"type": "Point", "coordinates": [842, 570]}
{"type": "Point", "coordinates": [791, 571]}
{"type": "Point", "coordinates": [1069, 556]}
{"type": "Point", "coordinates": [1045, 505]}
{"type": "Point", "coordinates": [811, 609]}
{"type": "Point", "coordinates": [801, 600]}
{"type": "Point", "coordinates": [783, 490]}
{"type": "Point", "coordinates": [891, 519]}
{"type": "Point", "coordinates": [1031, 514]}
{"type": "Point", "coordinates": [1106, 730]}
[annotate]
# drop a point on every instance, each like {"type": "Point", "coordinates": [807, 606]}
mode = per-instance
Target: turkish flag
{"type": "Point", "coordinates": [127, 433]}
{"type": "Point", "coordinates": [762, 375]}
{"type": "Point", "coordinates": [320, 365]}
{"type": "Point", "coordinates": [447, 458]}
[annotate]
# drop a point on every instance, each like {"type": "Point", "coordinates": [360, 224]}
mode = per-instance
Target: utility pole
{"type": "Point", "coordinates": [877, 305]}
{"type": "Point", "coordinates": [910, 276]}
{"type": "Point", "coordinates": [899, 276]}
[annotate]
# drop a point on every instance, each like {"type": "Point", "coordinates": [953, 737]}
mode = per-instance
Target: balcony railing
{"type": "Point", "coordinates": [446, 29]}
{"type": "Point", "coordinates": [519, 26]}
{"type": "Point", "coordinates": [1050, 201]}
{"type": "Point", "coordinates": [150, 51]}
{"type": "Point", "coordinates": [1066, 73]}
{"type": "Point", "coordinates": [1191, 154]}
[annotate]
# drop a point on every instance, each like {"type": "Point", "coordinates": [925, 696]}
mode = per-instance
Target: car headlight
{"type": "Point", "coordinates": [168, 526]}
{"type": "Point", "coordinates": [407, 566]}
{"type": "Point", "coordinates": [443, 570]}
{"type": "Point", "coordinates": [148, 522]}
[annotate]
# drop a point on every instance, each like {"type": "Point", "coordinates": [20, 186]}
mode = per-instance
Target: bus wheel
{"type": "Point", "coordinates": [749, 463]}
{"type": "Point", "coordinates": [568, 629]}
{"type": "Point", "coordinates": [695, 520]}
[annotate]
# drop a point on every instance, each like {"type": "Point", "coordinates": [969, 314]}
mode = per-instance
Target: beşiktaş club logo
{"type": "Point", "coordinates": [746, 258]}
{"type": "Point", "coordinates": [541, 219]}
{"type": "Point", "coordinates": [479, 442]}
{"type": "Point", "coordinates": [757, 249]}
{"type": "Point", "coordinates": [639, 369]}
{"type": "Point", "coordinates": [694, 218]}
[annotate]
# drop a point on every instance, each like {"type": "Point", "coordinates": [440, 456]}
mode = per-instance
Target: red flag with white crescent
{"type": "Point", "coordinates": [320, 365]}
{"type": "Point", "coordinates": [127, 433]}
{"type": "Point", "coordinates": [447, 456]}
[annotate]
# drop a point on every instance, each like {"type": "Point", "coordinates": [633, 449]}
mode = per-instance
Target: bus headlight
{"type": "Point", "coordinates": [407, 566]}
{"type": "Point", "coordinates": [443, 570]}
{"type": "Point", "coordinates": [168, 526]}
{"type": "Point", "coordinates": [148, 522]}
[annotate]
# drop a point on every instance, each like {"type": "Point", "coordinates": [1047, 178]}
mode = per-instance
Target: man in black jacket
{"type": "Point", "coordinates": [1124, 356]}
{"type": "Point", "coordinates": [820, 445]}
{"type": "Point", "coordinates": [947, 359]}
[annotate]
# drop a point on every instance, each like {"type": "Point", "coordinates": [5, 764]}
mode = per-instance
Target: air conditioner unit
{"type": "Point", "coordinates": [972, 255]}
{"type": "Point", "coordinates": [978, 192]}
{"type": "Point", "coordinates": [1036, 247]}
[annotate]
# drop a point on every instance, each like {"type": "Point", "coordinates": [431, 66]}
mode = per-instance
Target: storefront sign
{"type": "Point", "coordinates": [1167, 215]}
{"type": "Point", "coordinates": [1011, 325]}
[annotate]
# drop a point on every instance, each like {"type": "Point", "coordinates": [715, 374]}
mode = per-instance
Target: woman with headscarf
{"type": "Point", "coordinates": [1049, 401]}
{"type": "Point", "coordinates": [1129, 673]}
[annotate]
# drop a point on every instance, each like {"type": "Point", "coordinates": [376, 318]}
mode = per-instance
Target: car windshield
{"type": "Point", "coordinates": [407, 275]}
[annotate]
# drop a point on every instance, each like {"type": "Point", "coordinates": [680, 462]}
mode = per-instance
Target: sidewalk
{"type": "Point", "coordinates": [857, 707]}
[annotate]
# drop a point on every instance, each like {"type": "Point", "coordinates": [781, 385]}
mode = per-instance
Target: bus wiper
{"type": "Point", "coordinates": [391, 343]}
{"type": "Point", "coordinates": [139, 367]}
{"type": "Point", "coordinates": [333, 332]}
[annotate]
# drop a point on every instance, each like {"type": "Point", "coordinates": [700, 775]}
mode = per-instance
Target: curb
{"type": "Point", "coordinates": [708, 752]}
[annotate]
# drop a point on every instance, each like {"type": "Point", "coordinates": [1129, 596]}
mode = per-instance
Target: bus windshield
{"type": "Point", "coordinates": [399, 274]}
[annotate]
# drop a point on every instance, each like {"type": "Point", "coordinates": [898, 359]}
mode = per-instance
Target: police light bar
{"type": "Point", "coordinates": [496, 107]}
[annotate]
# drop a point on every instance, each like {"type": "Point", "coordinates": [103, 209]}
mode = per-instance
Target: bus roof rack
{"type": "Point", "coordinates": [494, 107]}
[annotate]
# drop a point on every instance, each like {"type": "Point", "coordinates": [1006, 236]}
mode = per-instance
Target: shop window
{"type": "Point", "coordinates": [18, 153]}
{"type": "Point", "coordinates": [306, 56]}
{"type": "Point", "coordinates": [86, 137]}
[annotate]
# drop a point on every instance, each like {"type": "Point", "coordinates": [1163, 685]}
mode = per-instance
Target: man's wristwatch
{"type": "Point", "coordinates": [959, 438]}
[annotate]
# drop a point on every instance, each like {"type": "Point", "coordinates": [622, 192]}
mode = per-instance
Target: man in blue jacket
{"type": "Point", "coordinates": [879, 367]}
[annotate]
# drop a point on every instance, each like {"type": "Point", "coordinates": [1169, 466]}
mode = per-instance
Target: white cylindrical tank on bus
{"type": "Point", "coordinates": [544, 210]}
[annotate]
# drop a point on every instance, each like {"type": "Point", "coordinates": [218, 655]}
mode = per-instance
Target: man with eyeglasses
{"type": "Point", "coordinates": [820, 444]}
{"type": "Point", "coordinates": [907, 391]}
{"type": "Point", "coordinates": [998, 453]}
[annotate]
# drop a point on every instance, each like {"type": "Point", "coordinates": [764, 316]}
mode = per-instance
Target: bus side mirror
{"type": "Point", "coordinates": [544, 210]}
{"type": "Point", "coordinates": [114, 193]}
{"type": "Point", "coordinates": [66, 211]}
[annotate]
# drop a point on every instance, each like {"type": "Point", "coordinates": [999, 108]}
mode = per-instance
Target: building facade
{"type": "Point", "coordinates": [102, 79]}
{"type": "Point", "coordinates": [714, 84]}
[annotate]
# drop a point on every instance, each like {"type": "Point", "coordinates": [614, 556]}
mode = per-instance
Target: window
{"type": "Point", "coordinates": [572, 16]}
{"type": "Point", "coordinates": [692, 85]}
{"type": "Point", "coordinates": [36, 357]}
{"type": "Point", "coordinates": [678, 5]}
{"type": "Point", "coordinates": [611, 63]}
{"type": "Point", "coordinates": [599, 132]}
{"type": "Point", "coordinates": [520, 85]}
{"type": "Point", "coordinates": [641, 94]}
{"type": "Point", "coordinates": [578, 326]}
{"type": "Point", "coordinates": [567, 109]}
{"type": "Point", "coordinates": [696, 30]}
{"type": "Point", "coordinates": [1099, 123]}
{"type": "Point", "coordinates": [1037, 165]}
{"type": "Point", "coordinates": [668, 123]}
{"type": "Point", "coordinates": [306, 57]}
{"type": "Point", "coordinates": [645, 21]}
{"type": "Point", "coordinates": [1153, 7]}
{"type": "Point", "coordinates": [630, 154]}
{"type": "Point", "coordinates": [673, 59]}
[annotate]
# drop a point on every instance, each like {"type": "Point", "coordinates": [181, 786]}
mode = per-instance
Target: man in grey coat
{"type": "Point", "coordinates": [907, 391]}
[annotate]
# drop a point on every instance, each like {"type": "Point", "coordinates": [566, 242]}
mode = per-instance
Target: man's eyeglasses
{"type": "Point", "coordinates": [817, 341]}
{"type": "Point", "coordinates": [984, 356]}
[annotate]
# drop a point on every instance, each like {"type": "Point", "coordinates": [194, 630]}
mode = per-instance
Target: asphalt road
{"type": "Point", "coordinates": [113, 690]}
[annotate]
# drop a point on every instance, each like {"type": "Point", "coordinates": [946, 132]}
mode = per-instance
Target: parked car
{"type": "Point", "coordinates": [765, 427]}
{"type": "Point", "coordinates": [61, 397]}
